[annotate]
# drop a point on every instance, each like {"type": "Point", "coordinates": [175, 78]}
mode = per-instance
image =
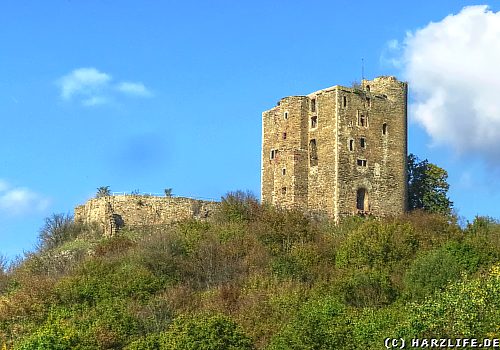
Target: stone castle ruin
{"type": "Point", "coordinates": [336, 152]}
{"type": "Point", "coordinates": [114, 212]}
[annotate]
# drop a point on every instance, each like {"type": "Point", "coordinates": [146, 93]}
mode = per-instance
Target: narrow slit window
{"type": "Point", "coordinates": [313, 152]}
{"type": "Point", "coordinates": [362, 142]}
{"type": "Point", "coordinates": [314, 122]}
{"type": "Point", "coordinates": [344, 101]}
{"type": "Point", "coordinates": [384, 129]}
{"type": "Point", "coordinates": [285, 115]}
{"type": "Point", "coordinates": [351, 145]}
{"type": "Point", "coordinates": [273, 154]}
{"type": "Point", "coordinates": [283, 171]}
{"type": "Point", "coordinates": [284, 136]}
{"type": "Point", "coordinates": [313, 105]}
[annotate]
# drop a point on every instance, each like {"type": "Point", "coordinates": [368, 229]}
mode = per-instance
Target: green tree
{"type": "Point", "coordinates": [103, 191]}
{"type": "Point", "coordinates": [427, 186]}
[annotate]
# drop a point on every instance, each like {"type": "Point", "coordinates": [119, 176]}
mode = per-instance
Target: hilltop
{"type": "Point", "coordinates": [254, 276]}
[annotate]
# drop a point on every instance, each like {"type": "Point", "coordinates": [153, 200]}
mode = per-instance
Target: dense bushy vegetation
{"type": "Point", "coordinates": [255, 277]}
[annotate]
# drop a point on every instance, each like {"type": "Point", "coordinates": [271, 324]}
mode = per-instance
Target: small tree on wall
{"type": "Point", "coordinates": [103, 191]}
{"type": "Point", "coordinates": [168, 192]}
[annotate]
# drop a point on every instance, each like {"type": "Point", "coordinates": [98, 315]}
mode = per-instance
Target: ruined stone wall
{"type": "Point", "coordinates": [337, 142]}
{"type": "Point", "coordinates": [114, 212]}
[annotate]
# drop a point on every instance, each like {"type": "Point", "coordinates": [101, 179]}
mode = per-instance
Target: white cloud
{"type": "Point", "coordinates": [83, 81]}
{"type": "Point", "coordinates": [90, 87]}
{"type": "Point", "coordinates": [20, 200]}
{"type": "Point", "coordinates": [135, 89]}
{"type": "Point", "coordinates": [453, 69]}
{"type": "Point", "coordinates": [95, 101]}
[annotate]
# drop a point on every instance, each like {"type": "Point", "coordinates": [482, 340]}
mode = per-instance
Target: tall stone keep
{"type": "Point", "coordinates": [338, 151]}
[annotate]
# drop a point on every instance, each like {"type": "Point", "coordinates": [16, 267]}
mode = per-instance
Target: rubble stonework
{"type": "Point", "coordinates": [114, 212]}
{"type": "Point", "coordinates": [338, 151]}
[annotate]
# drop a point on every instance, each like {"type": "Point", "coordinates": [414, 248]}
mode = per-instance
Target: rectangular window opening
{"type": "Point", "coordinates": [284, 136]}
{"type": "Point", "coordinates": [313, 105]}
{"type": "Point", "coordinates": [362, 142]}
{"type": "Point", "coordinates": [362, 120]}
{"type": "Point", "coordinates": [314, 122]}
{"type": "Point", "coordinates": [384, 129]}
{"type": "Point", "coordinates": [344, 101]}
{"type": "Point", "coordinates": [283, 171]}
{"type": "Point", "coordinates": [274, 154]}
{"type": "Point", "coordinates": [362, 162]}
{"type": "Point", "coordinates": [351, 145]}
{"type": "Point", "coordinates": [283, 190]}
{"type": "Point", "coordinates": [285, 115]}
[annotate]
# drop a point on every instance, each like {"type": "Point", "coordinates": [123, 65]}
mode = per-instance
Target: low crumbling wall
{"type": "Point", "coordinates": [114, 212]}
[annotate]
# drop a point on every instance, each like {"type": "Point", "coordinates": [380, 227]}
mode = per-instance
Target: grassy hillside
{"type": "Point", "coordinates": [254, 278]}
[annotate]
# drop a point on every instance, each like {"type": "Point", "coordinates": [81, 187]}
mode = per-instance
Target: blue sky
{"type": "Point", "coordinates": [147, 95]}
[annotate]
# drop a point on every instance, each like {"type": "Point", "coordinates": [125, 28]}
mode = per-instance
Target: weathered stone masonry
{"type": "Point", "coordinates": [114, 212]}
{"type": "Point", "coordinates": [338, 151]}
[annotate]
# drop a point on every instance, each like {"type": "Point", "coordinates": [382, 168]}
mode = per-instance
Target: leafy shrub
{"type": "Point", "coordinates": [319, 324]}
{"type": "Point", "coordinates": [56, 336]}
{"type": "Point", "coordinates": [483, 235]}
{"type": "Point", "coordinates": [116, 245]}
{"type": "Point", "coordinates": [467, 308]}
{"type": "Point", "coordinates": [161, 253]}
{"type": "Point", "coordinates": [286, 266]}
{"type": "Point", "coordinates": [430, 272]}
{"type": "Point", "coordinates": [96, 280]}
{"type": "Point", "coordinates": [205, 332]}
{"type": "Point", "coordinates": [214, 262]}
{"type": "Point", "coordinates": [238, 206]}
{"type": "Point", "coordinates": [281, 230]}
{"type": "Point", "coordinates": [371, 326]}
{"type": "Point", "coordinates": [376, 243]}
{"type": "Point", "coordinates": [368, 289]}
{"type": "Point", "coordinates": [152, 341]}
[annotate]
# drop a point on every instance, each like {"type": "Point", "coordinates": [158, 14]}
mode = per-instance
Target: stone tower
{"type": "Point", "coordinates": [338, 151]}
